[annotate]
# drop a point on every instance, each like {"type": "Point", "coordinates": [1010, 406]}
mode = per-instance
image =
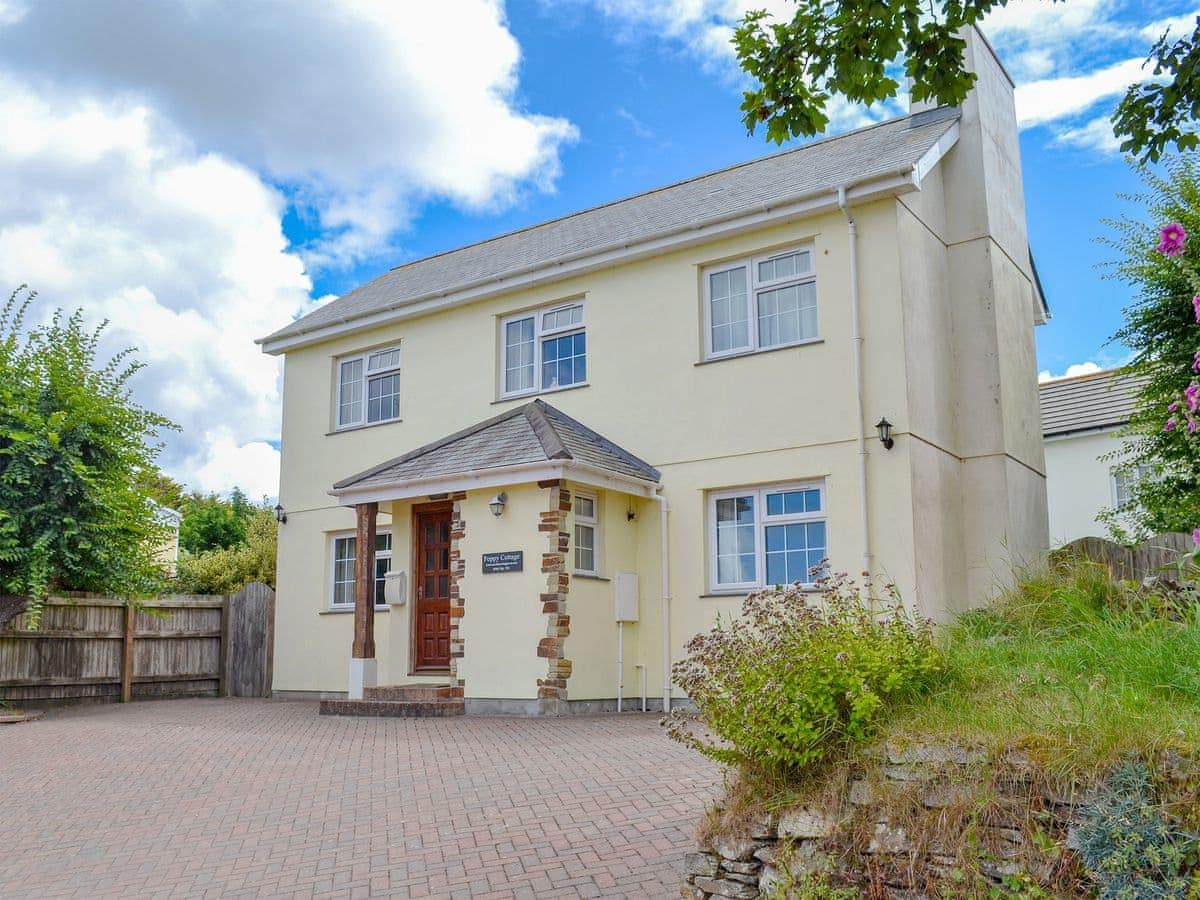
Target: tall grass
{"type": "Point", "coordinates": [1071, 667]}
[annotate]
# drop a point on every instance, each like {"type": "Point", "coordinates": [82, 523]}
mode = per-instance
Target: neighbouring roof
{"type": "Point", "coordinates": [533, 433]}
{"type": "Point", "coordinates": [1087, 402]}
{"type": "Point", "coordinates": [887, 148]}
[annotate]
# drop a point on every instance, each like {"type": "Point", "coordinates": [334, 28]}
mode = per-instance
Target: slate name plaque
{"type": "Point", "coordinates": [507, 561]}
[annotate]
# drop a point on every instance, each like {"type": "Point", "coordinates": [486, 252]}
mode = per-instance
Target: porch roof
{"type": "Point", "coordinates": [532, 439]}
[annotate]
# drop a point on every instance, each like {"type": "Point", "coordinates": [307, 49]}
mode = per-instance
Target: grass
{"type": "Point", "coordinates": [1070, 667]}
{"type": "Point", "coordinates": [1075, 672]}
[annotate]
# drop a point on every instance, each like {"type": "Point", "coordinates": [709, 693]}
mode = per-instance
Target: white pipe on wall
{"type": "Point", "coordinates": [620, 661]}
{"type": "Point", "coordinates": [663, 510]}
{"type": "Point", "coordinates": [857, 338]}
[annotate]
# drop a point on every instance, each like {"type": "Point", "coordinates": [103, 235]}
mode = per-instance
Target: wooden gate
{"type": "Point", "coordinates": [247, 646]}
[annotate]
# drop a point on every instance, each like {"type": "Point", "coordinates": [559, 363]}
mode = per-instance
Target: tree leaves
{"type": "Point", "coordinates": [846, 48]}
{"type": "Point", "coordinates": [73, 449]}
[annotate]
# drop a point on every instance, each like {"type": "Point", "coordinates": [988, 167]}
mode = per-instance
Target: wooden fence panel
{"type": "Point", "coordinates": [92, 648]}
{"type": "Point", "coordinates": [1151, 557]}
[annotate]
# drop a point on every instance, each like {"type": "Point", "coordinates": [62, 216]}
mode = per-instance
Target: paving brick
{"type": "Point", "coordinates": [252, 798]}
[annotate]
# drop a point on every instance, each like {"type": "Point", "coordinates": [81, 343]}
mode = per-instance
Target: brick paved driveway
{"type": "Point", "coordinates": [254, 797]}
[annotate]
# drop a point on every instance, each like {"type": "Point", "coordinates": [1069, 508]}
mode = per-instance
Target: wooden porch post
{"type": "Point", "coordinates": [364, 581]}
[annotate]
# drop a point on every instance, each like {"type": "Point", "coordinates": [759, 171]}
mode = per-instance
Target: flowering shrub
{"type": "Point", "coordinates": [789, 680]}
{"type": "Point", "coordinates": [1186, 408]}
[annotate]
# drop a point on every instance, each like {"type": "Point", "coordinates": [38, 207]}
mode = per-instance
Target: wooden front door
{"type": "Point", "coordinates": [433, 589]}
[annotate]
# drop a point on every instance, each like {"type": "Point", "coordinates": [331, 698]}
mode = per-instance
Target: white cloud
{"type": "Point", "coordinates": [112, 210]}
{"type": "Point", "coordinates": [149, 152]}
{"type": "Point", "coordinates": [1175, 27]}
{"type": "Point", "coordinates": [254, 467]}
{"type": "Point", "coordinates": [1073, 371]}
{"type": "Point", "coordinates": [364, 109]}
{"type": "Point", "coordinates": [1058, 98]}
{"type": "Point", "coordinates": [1096, 134]}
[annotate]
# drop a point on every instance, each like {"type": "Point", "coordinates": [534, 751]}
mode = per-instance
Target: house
{"type": "Point", "coordinates": [650, 408]}
{"type": "Point", "coordinates": [1082, 418]}
{"type": "Point", "coordinates": [166, 554]}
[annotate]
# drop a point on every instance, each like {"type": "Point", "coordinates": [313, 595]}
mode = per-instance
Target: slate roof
{"type": "Point", "coordinates": [1099, 400]}
{"type": "Point", "coordinates": [818, 167]}
{"type": "Point", "coordinates": [533, 433]}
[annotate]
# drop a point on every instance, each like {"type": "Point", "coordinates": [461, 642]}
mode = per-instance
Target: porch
{"type": "Point", "coordinates": [505, 514]}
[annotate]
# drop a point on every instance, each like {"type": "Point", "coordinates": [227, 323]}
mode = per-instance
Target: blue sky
{"type": "Point", "coordinates": [210, 170]}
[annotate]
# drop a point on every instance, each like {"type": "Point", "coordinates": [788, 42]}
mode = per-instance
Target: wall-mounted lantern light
{"type": "Point", "coordinates": [496, 504]}
{"type": "Point", "coordinates": [280, 515]}
{"type": "Point", "coordinates": [884, 427]}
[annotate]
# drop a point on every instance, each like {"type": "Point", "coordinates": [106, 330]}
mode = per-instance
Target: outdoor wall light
{"type": "Point", "coordinates": [496, 504]}
{"type": "Point", "coordinates": [884, 427]}
{"type": "Point", "coordinates": [280, 515]}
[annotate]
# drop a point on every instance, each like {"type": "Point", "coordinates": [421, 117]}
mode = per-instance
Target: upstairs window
{"type": "Point", "coordinates": [369, 388]}
{"type": "Point", "coordinates": [1124, 480]}
{"type": "Point", "coordinates": [344, 549]}
{"type": "Point", "coordinates": [760, 303]}
{"type": "Point", "coordinates": [544, 350]}
{"type": "Point", "coordinates": [764, 537]}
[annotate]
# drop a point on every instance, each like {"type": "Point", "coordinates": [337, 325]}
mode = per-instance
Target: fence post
{"type": "Point", "coordinates": [223, 664]}
{"type": "Point", "coordinates": [127, 653]}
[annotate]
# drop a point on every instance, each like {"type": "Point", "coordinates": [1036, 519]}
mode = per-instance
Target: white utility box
{"type": "Point", "coordinates": [393, 588]}
{"type": "Point", "coordinates": [627, 596]}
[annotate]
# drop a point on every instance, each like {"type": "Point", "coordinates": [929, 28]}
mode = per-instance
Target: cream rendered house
{"type": "Point", "coordinates": [650, 408]}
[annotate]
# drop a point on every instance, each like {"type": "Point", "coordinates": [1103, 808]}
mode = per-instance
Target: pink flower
{"type": "Point", "coordinates": [1172, 406]}
{"type": "Point", "coordinates": [1192, 394]}
{"type": "Point", "coordinates": [1196, 307]}
{"type": "Point", "coordinates": [1196, 362]}
{"type": "Point", "coordinates": [1191, 425]}
{"type": "Point", "coordinates": [1170, 426]}
{"type": "Point", "coordinates": [1196, 536]}
{"type": "Point", "coordinates": [1172, 239]}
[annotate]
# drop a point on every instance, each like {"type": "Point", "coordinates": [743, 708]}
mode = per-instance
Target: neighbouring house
{"type": "Point", "coordinates": [167, 553]}
{"type": "Point", "coordinates": [1082, 418]}
{"type": "Point", "coordinates": [647, 409]}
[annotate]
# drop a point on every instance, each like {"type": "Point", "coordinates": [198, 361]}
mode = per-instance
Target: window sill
{"type": "Point", "coordinates": [725, 595]}
{"type": "Point", "coordinates": [349, 610]}
{"type": "Point", "coordinates": [531, 394]}
{"type": "Point", "coordinates": [589, 576]}
{"type": "Point", "coordinates": [744, 353]}
{"type": "Point", "coordinates": [361, 427]}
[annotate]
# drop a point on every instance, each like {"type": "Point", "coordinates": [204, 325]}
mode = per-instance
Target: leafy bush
{"type": "Point", "coordinates": [1130, 848]}
{"type": "Point", "coordinates": [789, 680]}
{"type": "Point", "coordinates": [74, 447]}
{"type": "Point", "coordinates": [226, 570]}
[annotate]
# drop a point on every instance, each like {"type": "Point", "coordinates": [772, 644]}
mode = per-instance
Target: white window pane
{"type": "Point", "coordinates": [518, 355]}
{"type": "Point", "coordinates": [383, 359]}
{"type": "Point", "coordinates": [585, 506]}
{"type": "Point", "coordinates": [727, 310]}
{"type": "Point", "coordinates": [383, 398]}
{"type": "Point", "coordinates": [350, 392]}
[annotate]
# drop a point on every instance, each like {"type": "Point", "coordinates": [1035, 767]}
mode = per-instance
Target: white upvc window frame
{"type": "Point", "coordinates": [334, 581]}
{"type": "Point", "coordinates": [1132, 478]}
{"type": "Point", "coordinates": [755, 286]}
{"type": "Point", "coordinates": [542, 332]}
{"type": "Point", "coordinates": [367, 375]}
{"type": "Point", "coordinates": [592, 523]}
{"type": "Point", "coordinates": [762, 519]}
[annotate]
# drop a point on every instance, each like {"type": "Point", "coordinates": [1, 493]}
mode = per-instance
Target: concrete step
{"type": "Point", "coordinates": [401, 709]}
{"type": "Point", "coordinates": [421, 692]}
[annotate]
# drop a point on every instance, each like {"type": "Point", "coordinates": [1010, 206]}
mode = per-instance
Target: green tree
{"type": "Point", "coordinates": [225, 570]}
{"type": "Point", "coordinates": [1162, 331]}
{"type": "Point", "coordinates": [74, 447]}
{"type": "Point", "coordinates": [847, 48]}
{"type": "Point", "coordinates": [210, 522]}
